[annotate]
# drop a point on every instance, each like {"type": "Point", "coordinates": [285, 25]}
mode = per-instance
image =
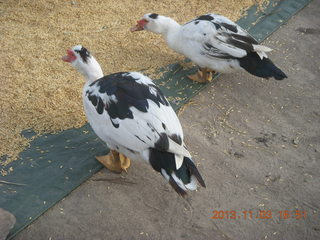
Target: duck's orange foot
{"type": "Point", "coordinates": [115, 162]}
{"type": "Point", "coordinates": [203, 76]}
{"type": "Point", "coordinates": [198, 77]}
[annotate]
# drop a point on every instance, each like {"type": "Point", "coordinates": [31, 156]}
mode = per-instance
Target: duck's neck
{"type": "Point", "coordinates": [170, 30]}
{"type": "Point", "coordinates": [91, 70]}
{"type": "Point", "coordinates": [168, 26]}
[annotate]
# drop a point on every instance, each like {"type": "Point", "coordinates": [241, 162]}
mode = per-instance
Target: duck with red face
{"type": "Point", "coordinates": [214, 43]}
{"type": "Point", "coordinates": [133, 117]}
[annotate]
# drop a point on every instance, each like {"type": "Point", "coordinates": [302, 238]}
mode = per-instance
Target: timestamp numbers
{"type": "Point", "coordinates": [262, 214]}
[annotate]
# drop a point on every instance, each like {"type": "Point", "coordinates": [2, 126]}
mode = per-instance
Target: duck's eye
{"type": "Point", "coordinates": [153, 15]}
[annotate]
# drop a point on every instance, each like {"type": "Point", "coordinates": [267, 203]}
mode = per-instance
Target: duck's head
{"type": "Point", "coordinates": [84, 62]}
{"type": "Point", "coordinates": [154, 22]}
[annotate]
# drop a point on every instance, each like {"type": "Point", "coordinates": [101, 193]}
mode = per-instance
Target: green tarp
{"type": "Point", "coordinates": [55, 164]}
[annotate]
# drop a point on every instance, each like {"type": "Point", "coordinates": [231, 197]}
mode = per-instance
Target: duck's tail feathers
{"type": "Point", "coordinates": [261, 50]}
{"type": "Point", "coordinates": [264, 68]}
{"type": "Point", "coordinates": [185, 178]}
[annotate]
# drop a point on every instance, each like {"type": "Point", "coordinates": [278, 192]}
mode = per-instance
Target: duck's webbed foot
{"type": "Point", "coordinates": [115, 161]}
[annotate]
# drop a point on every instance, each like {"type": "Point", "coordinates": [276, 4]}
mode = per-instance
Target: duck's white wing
{"type": "Point", "coordinates": [219, 37]}
{"type": "Point", "coordinates": [129, 110]}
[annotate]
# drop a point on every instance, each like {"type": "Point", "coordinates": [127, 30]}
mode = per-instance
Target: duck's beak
{"type": "Point", "coordinates": [136, 28]}
{"type": "Point", "coordinates": [70, 56]}
{"type": "Point", "coordinates": [140, 25]}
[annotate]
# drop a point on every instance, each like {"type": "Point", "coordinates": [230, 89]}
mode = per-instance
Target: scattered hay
{"type": "Point", "coordinates": [185, 106]}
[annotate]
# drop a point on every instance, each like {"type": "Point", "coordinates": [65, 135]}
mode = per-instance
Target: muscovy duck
{"type": "Point", "coordinates": [133, 117]}
{"type": "Point", "coordinates": [214, 43]}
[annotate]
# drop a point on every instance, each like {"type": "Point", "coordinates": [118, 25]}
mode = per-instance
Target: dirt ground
{"type": "Point", "coordinates": [257, 143]}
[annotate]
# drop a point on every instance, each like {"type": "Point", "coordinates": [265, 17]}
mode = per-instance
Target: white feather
{"type": "Point", "coordinates": [164, 174]}
{"type": "Point", "coordinates": [261, 50]}
{"type": "Point", "coordinates": [193, 183]}
{"type": "Point", "coordinates": [179, 160]}
{"type": "Point", "coordinates": [178, 149]}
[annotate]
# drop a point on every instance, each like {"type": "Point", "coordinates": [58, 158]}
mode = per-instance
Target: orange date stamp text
{"type": "Point", "coordinates": [261, 214]}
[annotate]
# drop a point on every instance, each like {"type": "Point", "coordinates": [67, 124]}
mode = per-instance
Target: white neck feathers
{"type": "Point", "coordinates": [91, 70]}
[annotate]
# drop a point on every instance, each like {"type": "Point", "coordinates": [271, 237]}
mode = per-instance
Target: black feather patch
{"type": "Point", "coordinates": [211, 51]}
{"type": "Point", "coordinates": [92, 99]}
{"type": "Point", "coordinates": [193, 170]}
{"type": "Point", "coordinates": [176, 138]}
{"type": "Point", "coordinates": [100, 106]}
{"type": "Point", "coordinates": [205, 17]}
{"type": "Point", "coordinates": [176, 187]}
{"type": "Point", "coordinates": [240, 44]}
{"type": "Point", "coordinates": [153, 15]}
{"type": "Point", "coordinates": [208, 45]}
{"type": "Point", "coordinates": [164, 160]}
{"type": "Point", "coordinates": [127, 92]}
{"type": "Point", "coordinates": [216, 25]}
{"type": "Point", "coordinates": [84, 54]}
{"type": "Point", "coordinates": [230, 27]}
{"type": "Point", "coordinates": [261, 67]}
{"type": "Point", "coordinates": [163, 143]}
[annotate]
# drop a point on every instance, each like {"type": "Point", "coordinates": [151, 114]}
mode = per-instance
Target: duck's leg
{"type": "Point", "coordinates": [114, 161]}
{"type": "Point", "coordinates": [196, 77]}
{"type": "Point", "coordinates": [203, 75]}
{"type": "Point", "coordinates": [207, 74]}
